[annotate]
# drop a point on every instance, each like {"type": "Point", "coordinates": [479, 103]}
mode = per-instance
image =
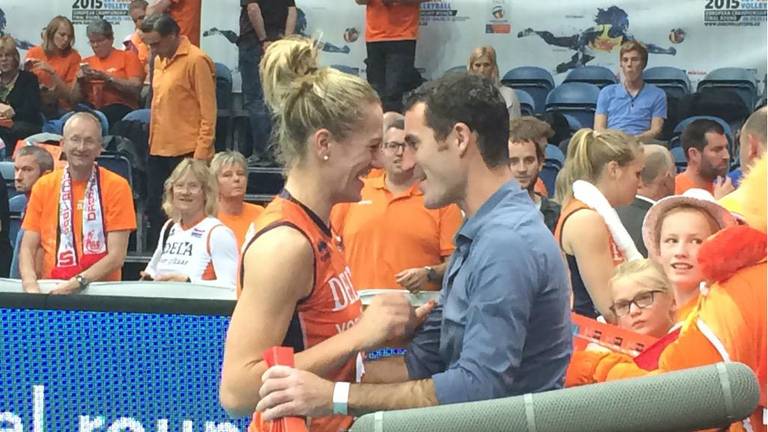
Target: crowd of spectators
{"type": "Point", "coordinates": [439, 190]}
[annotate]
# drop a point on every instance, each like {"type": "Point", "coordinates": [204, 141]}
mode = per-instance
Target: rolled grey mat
{"type": "Point", "coordinates": [687, 400]}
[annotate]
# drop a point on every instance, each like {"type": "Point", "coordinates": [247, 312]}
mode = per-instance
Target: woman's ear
{"type": "Point", "coordinates": [321, 144]}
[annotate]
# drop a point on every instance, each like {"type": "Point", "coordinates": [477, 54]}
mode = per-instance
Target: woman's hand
{"type": "Point", "coordinates": [173, 277]}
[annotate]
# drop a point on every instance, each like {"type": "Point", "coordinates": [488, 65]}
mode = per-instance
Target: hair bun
{"type": "Point", "coordinates": [285, 62]}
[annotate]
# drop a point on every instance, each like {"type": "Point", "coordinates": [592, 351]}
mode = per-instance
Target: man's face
{"type": "Point", "coordinates": [632, 65]}
{"type": "Point", "coordinates": [81, 143]}
{"type": "Point", "coordinates": [137, 15]}
{"type": "Point", "coordinates": [523, 162]}
{"type": "Point", "coordinates": [26, 172]}
{"type": "Point", "coordinates": [397, 157]}
{"type": "Point", "coordinates": [163, 46]}
{"type": "Point", "coordinates": [715, 157]}
{"type": "Point", "coordinates": [442, 171]}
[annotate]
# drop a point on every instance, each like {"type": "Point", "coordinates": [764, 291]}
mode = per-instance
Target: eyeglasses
{"type": "Point", "coordinates": [641, 301]}
{"type": "Point", "coordinates": [98, 42]}
{"type": "Point", "coordinates": [394, 146]}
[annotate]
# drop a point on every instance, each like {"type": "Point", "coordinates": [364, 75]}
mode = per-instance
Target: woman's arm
{"type": "Point", "coordinates": [586, 237]}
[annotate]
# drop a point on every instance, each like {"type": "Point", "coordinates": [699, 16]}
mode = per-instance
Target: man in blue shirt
{"type": "Point", "coordinates": [634, 106]}
{"type": "Point", "coordinates": [503, 325]}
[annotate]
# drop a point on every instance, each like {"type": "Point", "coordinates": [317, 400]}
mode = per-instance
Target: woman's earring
{"type": "Point", "coordinates": [325, 158]}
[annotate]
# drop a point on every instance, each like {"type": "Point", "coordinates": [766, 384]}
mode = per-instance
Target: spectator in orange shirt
{"type": "Point", "coordinates": [391, 30]}
{"type": "Point", "coordinates": [527, 141]}
{"type": "Point", "coordinates": [231, 171]}
{"type": "Point", "coordinates": [706, 149]}
{"type": "Point", "coordinates": [390, 238]}
{"type": "Point", "coordinates": [183, 116]}
{"type": "Point", "coordinates": [80, 215]}
{"type": "Point", "coordinates": [55, 63]}
{"type": "Point", "coordinates": [185, 12]}
{"type": "Point", "coordinates": [111, 79]}
{"type": "Point", "coordinates": [137, 10]}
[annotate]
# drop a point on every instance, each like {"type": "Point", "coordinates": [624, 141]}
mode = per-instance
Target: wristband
{"type": "Point", "coordinates": [340, 398]}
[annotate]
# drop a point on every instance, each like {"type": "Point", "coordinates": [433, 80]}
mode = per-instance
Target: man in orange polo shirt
{"type": "Point", "coordinates": [706, 148]}
{"type": "Point", "coordinates": [183, 119]}
{"type": "Point", "coordinates": [391, 29]}
{"type": "Point", "coordinates": [186, 13]}
{"type": "Point", "coordinates": [390, 239]}
{"type": "Point", "coordinates": [112, 79]}
{"type": "Point", "coordinates": [80, 215]}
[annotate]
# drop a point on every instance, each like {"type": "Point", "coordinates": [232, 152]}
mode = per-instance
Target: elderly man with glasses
{"type": "Point", "coordinates": [391, 239]}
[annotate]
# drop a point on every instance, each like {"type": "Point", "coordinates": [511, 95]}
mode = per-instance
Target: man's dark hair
{"type": "Point", "coordinates": [694, 135]}
{"type": "Point", "coordinates": [472, 100]}
{"type": "Point", "coordinates": [163, 24]}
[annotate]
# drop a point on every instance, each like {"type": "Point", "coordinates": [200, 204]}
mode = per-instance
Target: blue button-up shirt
{"type": "Point", "coordinates": [631, 114]}
{"type": "Point", "coordinates": [503, 325]}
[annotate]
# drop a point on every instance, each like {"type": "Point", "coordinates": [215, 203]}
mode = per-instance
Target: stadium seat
{"type": "Point", "coordinates": [139, 115]}
{"type": "Point", "coordinates": [573, 123]}
{"type": "Point", "coordinates": [673, 81]}
{"type": "Point", "coordinates": [121, 166]}
{"type": "Point", "coordinates": [597, 75]}
{"type": "Point", "coordinates": [527, 104]}
{"type": "Point", "coordinates": [576, 99]}
{"type": "Point", "coordinates": [680, 161]}
{"type": "Point", "coordinates": [554, 154]}
{"type": "Point", "coordinates": [536, 81]}
{"type": "Point", "coordinates": [57, 126]}
{"type": "Point", "coordinates": [548, 175]}
{"type": "Point", "coordinates": [16, 206]}
{"type": "Point", "coordinates": [6, 171]}
{"type": "Point", "coordinates": [742, 81]}
{"type": "Point", "coordinates": [224, 104]}
{"type": "Point", "coordinates": [456, 69]}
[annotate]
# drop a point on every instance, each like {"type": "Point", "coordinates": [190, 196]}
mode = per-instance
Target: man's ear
{"type": "Point", "coordinates": [463, 135]}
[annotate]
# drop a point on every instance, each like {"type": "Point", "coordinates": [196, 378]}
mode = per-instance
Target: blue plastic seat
{"type": "Point", "coordinates": [740, 80]}
{"type": "Point", "coordinates": [548, 175]}
{"type": "Point", "coordinates": [680, 160]}
{"type": "Point", "coordinates": [597, 75]}
{"type": "Point", "coordinates": [577, 99]}
{"type": "Point", "coordinates": [456, 69]}
{"type": "Point", "coordinates": [527, 104]}
{"type": "Point", "coordinates": [536, 81]}
{"type": "Point", "coordinates": [554, 154]}
{"type": "Point", "coordinates": [673, 81]}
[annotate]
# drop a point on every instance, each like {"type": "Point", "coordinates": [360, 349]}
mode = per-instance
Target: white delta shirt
{"type": "Point", "coordinates": [206, 252]}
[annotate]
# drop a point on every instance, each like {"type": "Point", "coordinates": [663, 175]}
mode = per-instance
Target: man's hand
{"type": "Point", "coordinates": [71, 286]}
{"type": "Point", "coordinates": [723, 186]}
{"type": "Point", "coordinates": [389, 317]}
{"type": "Point", "coordinates": [45, 67]}
{"type": "Point", "coordinates": [413, 279]}
{"type": "Point", "coordinates": [265, 45]}
{"type": "Point", "coordinates": [286, 391]}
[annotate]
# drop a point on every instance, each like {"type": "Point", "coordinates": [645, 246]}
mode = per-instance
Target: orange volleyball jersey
{"type": "Point", "coordinates": [333, 305]}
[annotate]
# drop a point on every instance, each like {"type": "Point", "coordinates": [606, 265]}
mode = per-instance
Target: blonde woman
{"type": "Point", "coordinates": [482, 62]}
{"type": "Point", "coordinates": [608, 166]}
{"type": "Point", "coordinates": [56, 64]}
{"type": "Point", "coordinates": [643, 298]}
{"type": "Point", "coordinates": [194, 246]}
{"type": "Point", "coordinates": [295, 286]}
{"type": "Point", "coordinates": [230, 170]}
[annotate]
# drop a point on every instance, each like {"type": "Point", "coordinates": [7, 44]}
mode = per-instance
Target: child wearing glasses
{"type": "Point", "coordinates": [643, 299]}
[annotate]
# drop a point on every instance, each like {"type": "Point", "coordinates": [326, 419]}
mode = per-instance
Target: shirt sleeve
{"type": "Point", "coordinates": [602, 101]}
{"type": "Point", "coordinates": [119, 214]}
{"type": "Point", "coordinates": [660, 105]}
{"type": "Point", "coordinates": [133, 66]}
{"type": "Point", "coordinates": [203, 73]}
{"type": "Point", "coordinates": [450, 221]}
{"type": "Point", "coordinates": [422, 359]}
{"type": "Point", "coordinates": [223, 249]}
{"type": "Point", "coordinates": [501, 294]}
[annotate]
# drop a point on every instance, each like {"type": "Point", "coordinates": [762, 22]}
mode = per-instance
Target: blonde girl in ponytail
{"type": "Point", "coordinates": [294, 285]}
{"type": "Point", "coordinates": [610, 161]}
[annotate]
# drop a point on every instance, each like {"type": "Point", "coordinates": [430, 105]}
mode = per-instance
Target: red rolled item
{"type": "Point", "coordinates": [282, 356]}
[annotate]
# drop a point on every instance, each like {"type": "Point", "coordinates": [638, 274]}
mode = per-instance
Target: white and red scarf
{"type": "Point", "coordinates": [94, 238]}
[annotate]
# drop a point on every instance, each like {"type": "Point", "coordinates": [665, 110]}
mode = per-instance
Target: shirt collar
{"type": "Point", "coordinates": [472, 226]}
{"type": "Point", "coordinates": [646, 199]}
{"type": "Point", "coordinates": [181, 50]}
{"type": "Point", "coordinates": [379, 182]}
